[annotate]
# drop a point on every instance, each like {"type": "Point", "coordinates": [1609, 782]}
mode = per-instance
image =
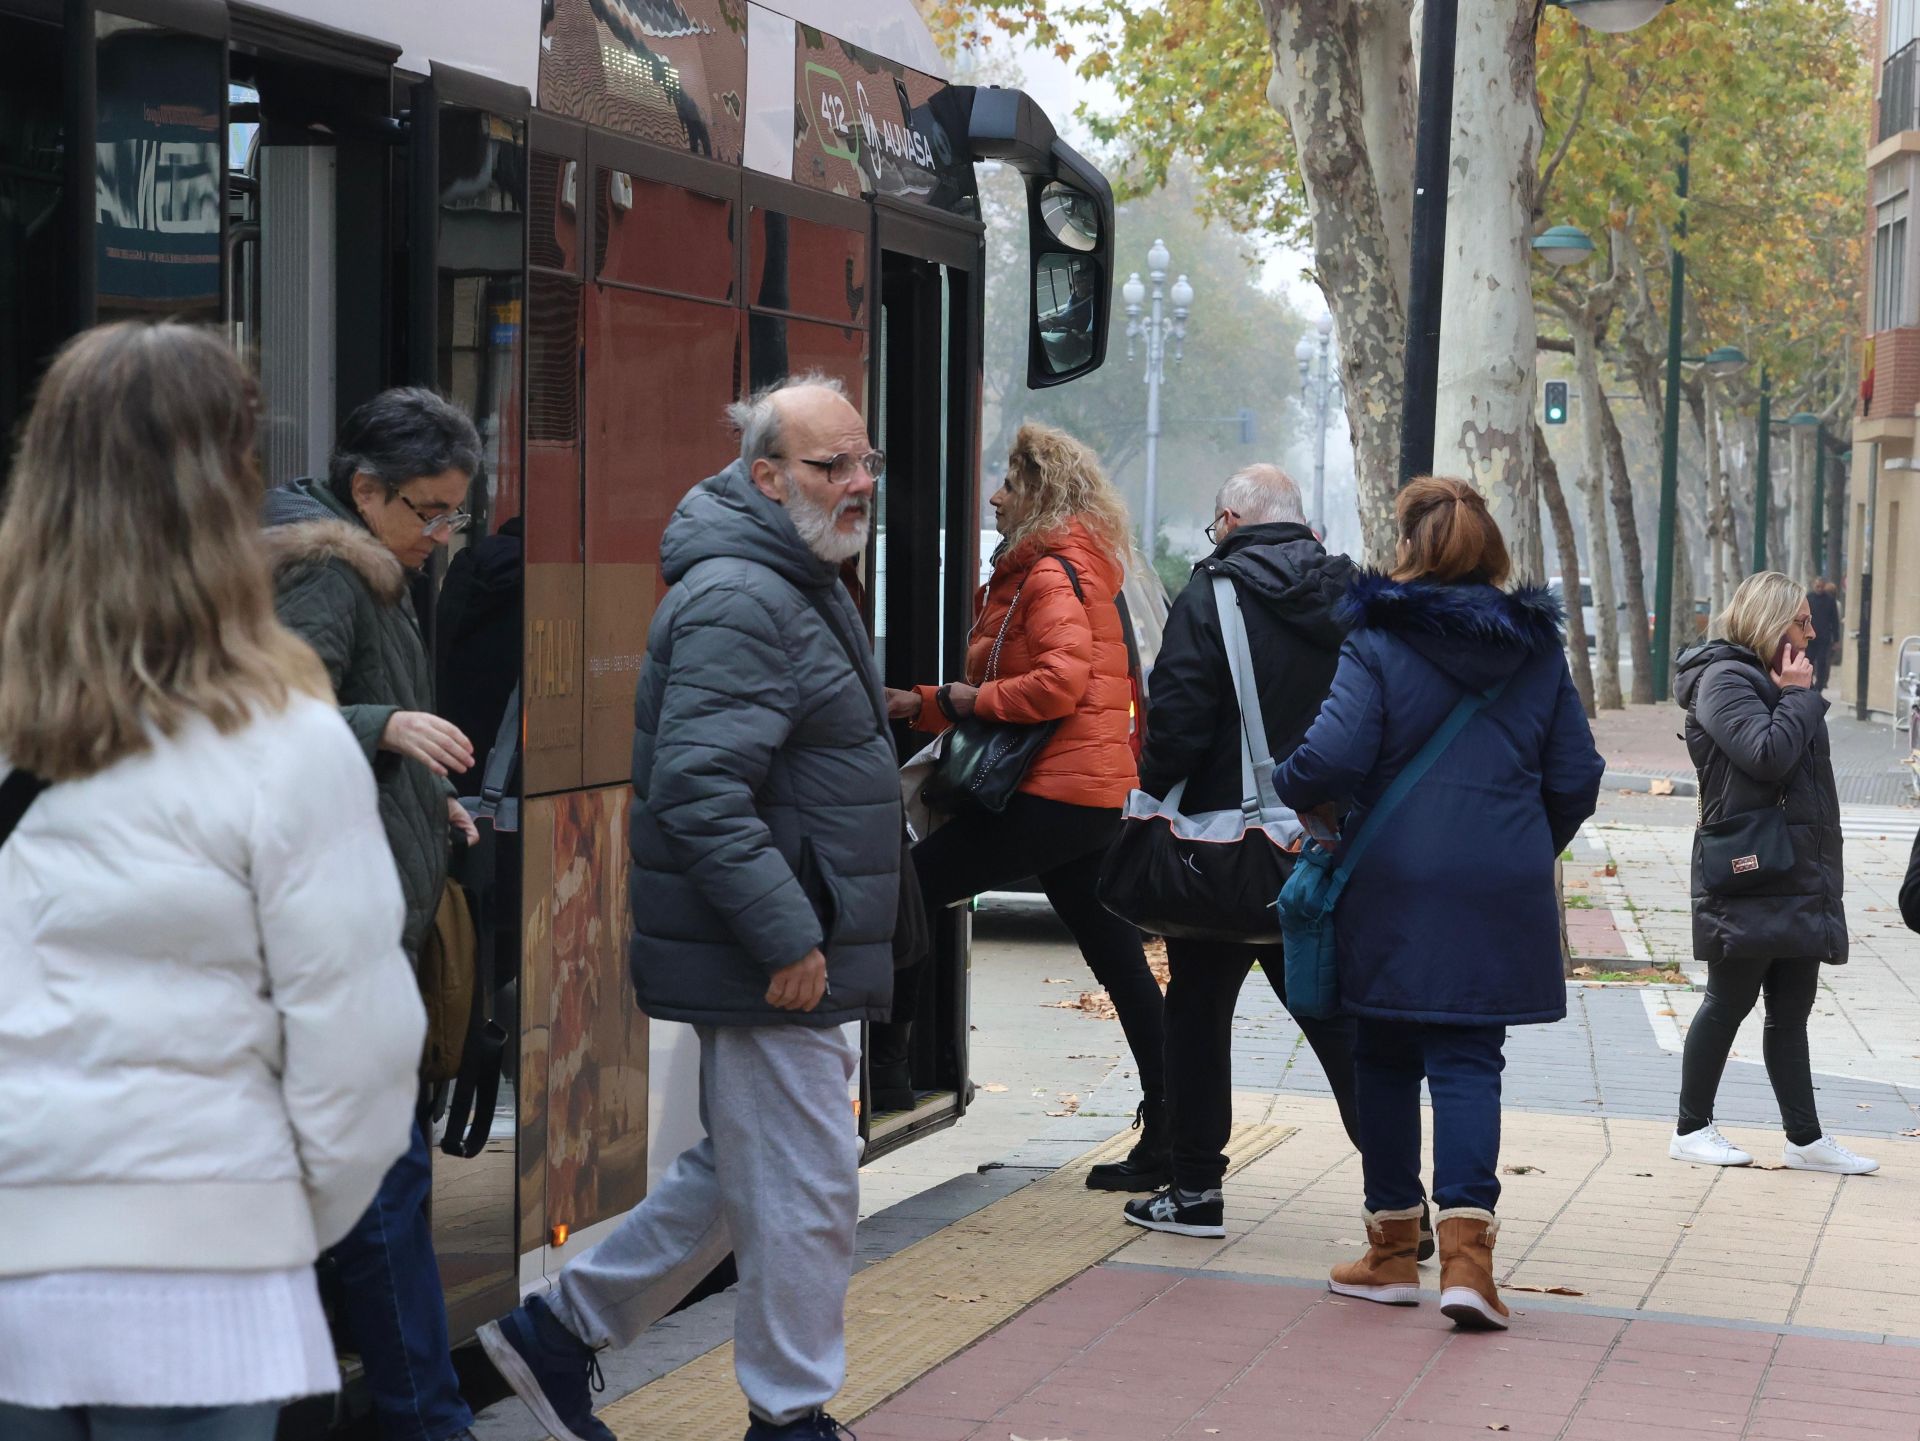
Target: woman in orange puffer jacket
{"type": "Point", "coordinates": [1063, 658]}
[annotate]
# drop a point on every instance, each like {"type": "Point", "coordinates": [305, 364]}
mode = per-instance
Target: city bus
{"type": "Point", "coordinates": [593, 223]}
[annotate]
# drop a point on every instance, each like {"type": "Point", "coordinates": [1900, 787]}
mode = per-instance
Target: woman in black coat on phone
{"type": "Point", "coordinates": [1758, 736]}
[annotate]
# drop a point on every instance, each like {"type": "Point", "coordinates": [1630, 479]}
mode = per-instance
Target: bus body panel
{"type": "Point", "coordinates": [497, 39]}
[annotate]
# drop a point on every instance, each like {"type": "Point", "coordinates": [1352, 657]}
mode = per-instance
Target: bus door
{"type": "Point", "coordinates": [925, 416]}
{"type": "Point", "coordinates": [464, 281]}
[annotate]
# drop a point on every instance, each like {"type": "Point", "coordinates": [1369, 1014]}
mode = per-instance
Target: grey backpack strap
{"type": "Point", "coordinates": [1257, 795]}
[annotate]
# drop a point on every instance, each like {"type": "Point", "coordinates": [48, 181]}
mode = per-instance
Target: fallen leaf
{"type": "Point", "coordinates": [1546, 1290]}
{"type": "Point", "coordinates": [1498, 1426]}
{"type": "Point", "coordinates": [1612, 869]}
{"type": "Point", "coordinates": [1914, 1134]}
{"type": "Point", "coordinates": [1643, 1173]}
{"type": "Point", "coordinates": [994, 1086]}
{"type": "Point", "coordinates": [1583, 970]}
{"type": "Point", "coordinates": [1523, 1170]}
{"type": "Point", "coordinates": [1862, 1106]}
{"type": "Point", "coordinates": [1055, 981]}
{"type": "Point", "coordinates": [1659, 786]}
{"type": "Point", "coordinates": [1668, 1011]}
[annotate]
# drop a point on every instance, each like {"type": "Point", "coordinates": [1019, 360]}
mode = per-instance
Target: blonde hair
{"type": "Point", "coordinates": [1066, 483]}
{"type": "Point", "coordinates": [1762, 608]}
{"type": "Point", "coordinates": [133, 588]}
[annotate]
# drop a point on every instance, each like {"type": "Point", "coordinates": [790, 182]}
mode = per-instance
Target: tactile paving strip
{"type": "Point", "coordinates": [910, 1312]}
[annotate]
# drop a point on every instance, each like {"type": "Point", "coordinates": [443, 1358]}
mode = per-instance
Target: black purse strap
{"type": "Point", "coordinates": [17, 792]}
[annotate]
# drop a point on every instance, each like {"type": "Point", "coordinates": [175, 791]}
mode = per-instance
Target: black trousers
{"type": "Point", "coordinates": [1732, 988]}
{"type": "Point", "coordinates": [1204, 986]}
{"type": "Point", "coordinates": [1063, 845]}
{"type": "Point", "coordinates": [1822, 659]}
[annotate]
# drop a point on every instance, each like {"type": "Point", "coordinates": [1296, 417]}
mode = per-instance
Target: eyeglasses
{"type": "Point", "coordinates": [447, 523]}
{"type": "Point", "coordinates": [1218, 521]}
{"type": "Point", "coordinates": [843, 467]}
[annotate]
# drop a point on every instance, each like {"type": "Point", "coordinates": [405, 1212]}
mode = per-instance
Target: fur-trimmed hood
{"type": "Point", "coordinates": [306, 525]}
{"type": "Point", "coordinates": [1477, 634]}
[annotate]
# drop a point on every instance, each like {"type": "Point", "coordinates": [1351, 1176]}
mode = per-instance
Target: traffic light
{"type": "Point", "coordinates": [1556, 402]}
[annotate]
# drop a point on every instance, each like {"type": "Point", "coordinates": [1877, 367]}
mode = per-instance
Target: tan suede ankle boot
{"type": "Point", "coordinates": [1389, 1273]}
{"type": "Point", "coordinates": [1468, 1296]}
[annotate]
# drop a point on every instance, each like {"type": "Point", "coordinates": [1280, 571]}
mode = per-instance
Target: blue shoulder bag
{"type": "Point", "coordinates": [1312, 892]}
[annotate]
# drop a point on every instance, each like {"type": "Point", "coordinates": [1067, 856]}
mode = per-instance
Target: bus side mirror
{"type": "Point", "coordinates": [1071, 259]}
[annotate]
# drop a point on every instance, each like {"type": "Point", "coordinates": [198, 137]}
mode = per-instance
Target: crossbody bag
{"type": "Point", "coordinates": [1312, 893]}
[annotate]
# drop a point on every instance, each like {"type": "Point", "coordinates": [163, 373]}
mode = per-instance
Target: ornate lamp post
{"type": "Point", "coordinates": [1157, 329]}
{"type": "Point", "coordinates": [1319, 393]}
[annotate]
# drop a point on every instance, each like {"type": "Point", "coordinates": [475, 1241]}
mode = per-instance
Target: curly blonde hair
{"type": "Point", "coordinates": [1064, 479]}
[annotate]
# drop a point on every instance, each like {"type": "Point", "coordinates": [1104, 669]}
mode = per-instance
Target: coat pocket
{"type": "Point", "coordinates": [818, 884]}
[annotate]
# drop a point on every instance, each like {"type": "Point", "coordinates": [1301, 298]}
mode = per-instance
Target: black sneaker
{"type": "Point", "coordinates": [1180, 1213]}
{"type": "Point", "coordinates": [814, 1426]}
{"type": "Point", "coordinates": [550, 1369]}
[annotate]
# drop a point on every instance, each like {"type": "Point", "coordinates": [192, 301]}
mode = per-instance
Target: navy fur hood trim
{"type": "Point", "coordinates": [1529, 617]}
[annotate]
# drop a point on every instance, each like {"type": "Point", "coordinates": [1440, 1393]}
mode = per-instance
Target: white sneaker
{"type": "Point", "coordinates": [1827, 1154]}
{"type": "Point", "coordinates": [1707, 1147]}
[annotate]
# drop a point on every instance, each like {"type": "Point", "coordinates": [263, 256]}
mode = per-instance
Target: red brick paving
{"type": "Point", "coordinates": [1133, 1355]}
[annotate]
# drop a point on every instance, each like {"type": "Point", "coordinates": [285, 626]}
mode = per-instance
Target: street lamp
{"type": "Point", "coordinates": [1432, 158]}
{"type": "Point", "coordinates": [1157, 329]}
{"type": "Point", "coordinates": [1319, 393]}
{"type": "Point", "coordinates": [1613, 17]}
{"type": "Point", "coordinates": [1563, 245]}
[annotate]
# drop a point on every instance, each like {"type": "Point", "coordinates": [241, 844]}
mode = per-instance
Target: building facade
{"type": "Point", "coordinates": [1882, 517]}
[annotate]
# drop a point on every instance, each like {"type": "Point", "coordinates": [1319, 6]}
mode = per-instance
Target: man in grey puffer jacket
{"type": "Point", "coordinates": [766, 851]}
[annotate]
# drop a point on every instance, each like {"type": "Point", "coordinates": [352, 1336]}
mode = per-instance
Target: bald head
{"type": "Point", "coordinates": [810, 401]}
{"type": "Point", "coordinates": [1260, 495]}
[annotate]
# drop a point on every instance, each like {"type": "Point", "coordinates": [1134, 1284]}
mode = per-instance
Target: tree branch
{"type": "Point", "coordinates": [1566, 136]}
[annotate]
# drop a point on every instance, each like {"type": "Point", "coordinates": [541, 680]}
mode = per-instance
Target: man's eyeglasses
{"type": "Point", "coordinates": [843, 467]}
{"type": "Point", "coordinates": [1218, 521]}
{"type": "Point", "coordinates": [447, 523]}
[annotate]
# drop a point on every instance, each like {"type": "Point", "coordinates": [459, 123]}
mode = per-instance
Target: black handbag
{"type": "Point", "coordinates": [475, 1094]}
{"type": "Point", "coordinates": [985, 761]}
{"type": "Point", "coordinates": [1747, 851]}
{"type": "Point", "coordinates": [1213, 875]}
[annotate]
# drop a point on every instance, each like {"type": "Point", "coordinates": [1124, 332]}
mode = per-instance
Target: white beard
{"type": "Point", "coordinates": [819, 526]}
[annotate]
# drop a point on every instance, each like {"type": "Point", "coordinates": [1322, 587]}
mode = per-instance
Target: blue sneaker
{"type": "Point", "coordinates": [815, 1426]}
{"type": "Point", "coordinates": [550, 1369]}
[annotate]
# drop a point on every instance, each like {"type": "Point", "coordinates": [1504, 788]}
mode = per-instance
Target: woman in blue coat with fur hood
{"type": "Point", "coordinates": [1449, 929]}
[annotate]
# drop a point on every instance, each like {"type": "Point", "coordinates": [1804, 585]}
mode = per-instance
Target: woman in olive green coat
{"type": "Point", "coordinates": [343, 550]}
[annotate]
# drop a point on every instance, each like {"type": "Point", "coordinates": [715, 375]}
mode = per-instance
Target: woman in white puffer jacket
{"type": "Point", "coordinates": [208, 1029]}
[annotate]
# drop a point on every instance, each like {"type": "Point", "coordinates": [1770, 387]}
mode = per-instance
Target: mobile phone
{"type": "Point", "coordinates": [1782, 656]}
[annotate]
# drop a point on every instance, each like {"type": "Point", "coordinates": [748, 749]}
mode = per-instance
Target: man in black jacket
{"type": "Point", "coordinates": [1290, 589]}
{"type": "Point", "coordinates": [1823, 603]}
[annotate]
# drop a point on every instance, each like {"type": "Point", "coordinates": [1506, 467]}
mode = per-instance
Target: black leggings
{"type": "Point", "coordinates": [1063, 845]}
{"type": "Point", "coordinates": [1206, 977]}
{"type": "Point", "coordinates": [1732, 988]}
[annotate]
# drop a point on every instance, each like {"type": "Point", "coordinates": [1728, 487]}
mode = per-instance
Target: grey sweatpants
{"type": "Point", "coordinates": [777, 1182]}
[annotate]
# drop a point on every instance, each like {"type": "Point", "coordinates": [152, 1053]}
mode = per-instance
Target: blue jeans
{"type": "Point", "coordinates": [395, 1315]}
{"type": "Point", "coordinates": [139, 1423]}
{"type": "Point", "coordinates": [1461, 1065]}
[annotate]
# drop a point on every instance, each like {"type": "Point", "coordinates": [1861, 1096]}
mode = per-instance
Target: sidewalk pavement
{"type": "Point", "coordinates": [1643, 744]}
{"type": "Point", "coordinates": [1688, 1302]}
{"type": "Point", "coordinates": [1652, 1300]}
